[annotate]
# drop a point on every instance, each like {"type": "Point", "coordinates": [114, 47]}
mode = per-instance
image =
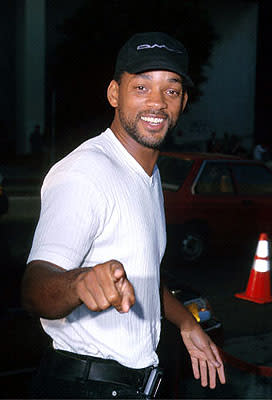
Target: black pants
{"type": "Point", "coordinates": [49, 382]}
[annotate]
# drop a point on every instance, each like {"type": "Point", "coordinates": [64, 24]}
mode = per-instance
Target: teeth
{"type": "Point", "coordinates": [152, 120]}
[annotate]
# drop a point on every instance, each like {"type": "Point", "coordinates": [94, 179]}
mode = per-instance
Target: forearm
{"type": "Point", "coordinates": [176, 312]}
{"type": "Point", "coordinates": [50, 291]}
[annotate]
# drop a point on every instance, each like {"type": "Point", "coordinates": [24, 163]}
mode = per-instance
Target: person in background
{"type": "Point", "coordinates": [93, 273]}
{"type": "Point", "coordinates": [261, 152]}
{"type": "Point", "coordinates": [212, 143]}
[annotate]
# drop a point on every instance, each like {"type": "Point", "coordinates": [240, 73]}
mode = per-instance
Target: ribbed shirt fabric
{"type": "Point", "coordinates": [99, 204]}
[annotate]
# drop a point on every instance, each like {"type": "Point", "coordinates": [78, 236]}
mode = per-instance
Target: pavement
{"type": "Point", "coordinates": [261, 346]}
{"type": "Point", "coordinates": [23, 187]}
{"type": "Point", "coordinates": [22, 184]}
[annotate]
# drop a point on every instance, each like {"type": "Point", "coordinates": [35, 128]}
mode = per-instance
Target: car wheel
{"type": "Point", "coordinates": [193, 243]}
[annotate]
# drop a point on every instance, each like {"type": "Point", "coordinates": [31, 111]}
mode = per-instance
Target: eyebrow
{"type": "Point", "coordinates": [172, 80]}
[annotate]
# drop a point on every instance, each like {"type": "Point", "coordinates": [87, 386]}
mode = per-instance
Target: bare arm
{"type": "Point", "coordinates": [205, 358]}
{"type": "Point", "coordinates": [176, 312]}
{"type": "Point", "coordinates": [52, 292]}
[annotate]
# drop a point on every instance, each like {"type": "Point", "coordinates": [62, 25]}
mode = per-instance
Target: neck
{"type": "Point", "coordinates": [145, 156]}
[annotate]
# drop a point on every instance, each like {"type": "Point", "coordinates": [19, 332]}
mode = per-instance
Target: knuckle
{"type": "Point", "coordinates": [89, 276]}
{"type": "Point", "coordinates": [91, 304]}
{"type": "Point", "coordinates": [104, 304]}
{"type": "Point", "coordinates": [114, 261]}
{"type": "Point", "coordinates": [95, 308]}
{"type": "Point", "coordinates": [114, 298]}
{"type": "Point", "coordinates": [96, 268]}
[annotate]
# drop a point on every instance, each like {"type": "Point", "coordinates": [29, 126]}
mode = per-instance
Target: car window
{"type": "Point", "coordinates": [214, 178]}
{"type": "Point", "coordinates": [252, 179]}
{"type": "Point", "coordinates": [173, 171]}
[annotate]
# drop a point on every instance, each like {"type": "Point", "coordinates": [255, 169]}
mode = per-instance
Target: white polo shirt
{"type": "Point", "coordinates": [99, 204]}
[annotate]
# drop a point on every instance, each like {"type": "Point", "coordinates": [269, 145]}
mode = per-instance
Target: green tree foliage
{"type": "Point", "coordinates": [93, 36]}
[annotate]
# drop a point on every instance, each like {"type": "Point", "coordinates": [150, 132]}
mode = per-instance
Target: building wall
{"type": "Point", "coordinates": [227, 104]}
{"type": "Point", "coordinates": [228, 101]}
{"type": "Point", "coordinates": [30, 70]}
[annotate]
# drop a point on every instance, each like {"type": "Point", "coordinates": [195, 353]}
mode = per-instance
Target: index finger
{"type": "Point", "coordinates": [107, 282]}
{"type": "Point", "coordinates": [124, 288]}
{"type": "Point", "coordinates": [121, 293]}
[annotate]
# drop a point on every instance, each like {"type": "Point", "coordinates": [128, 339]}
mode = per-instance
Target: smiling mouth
{"type": "Point", "coordinates": [153, 120]}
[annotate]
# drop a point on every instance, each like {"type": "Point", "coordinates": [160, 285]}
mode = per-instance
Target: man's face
{"type": "Point", "coordinates": [148, 105]}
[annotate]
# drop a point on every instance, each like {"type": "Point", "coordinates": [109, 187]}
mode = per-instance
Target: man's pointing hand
{"type": "Point", "coordinates": [106, 285]}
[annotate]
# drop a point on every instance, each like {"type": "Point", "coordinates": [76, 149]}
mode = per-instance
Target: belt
{"type": "Point", "coordinates": [71, 366]}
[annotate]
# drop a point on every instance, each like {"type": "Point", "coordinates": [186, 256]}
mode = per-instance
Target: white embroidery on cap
{"type": "Point", "coordinates": [160, 46]}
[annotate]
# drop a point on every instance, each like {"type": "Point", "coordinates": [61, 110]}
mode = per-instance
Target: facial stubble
{"type": "Point", "coordinates": [150, 141]}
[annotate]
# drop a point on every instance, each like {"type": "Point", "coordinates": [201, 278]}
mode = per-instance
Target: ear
{"type": "Point", "coordinates": [185, 99]}
{"type": "Point", "coordinates": [113, 94]}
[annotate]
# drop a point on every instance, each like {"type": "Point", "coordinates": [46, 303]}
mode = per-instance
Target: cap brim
{"type": "Point", "coordinates": [159, 65]}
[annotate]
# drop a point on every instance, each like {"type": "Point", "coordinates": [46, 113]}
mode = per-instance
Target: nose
{"type": "Point", "coordinates": [156, 99]}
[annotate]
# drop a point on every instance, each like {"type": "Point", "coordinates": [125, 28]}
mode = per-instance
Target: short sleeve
{"type": "Point", "coordinates": [73, 212]}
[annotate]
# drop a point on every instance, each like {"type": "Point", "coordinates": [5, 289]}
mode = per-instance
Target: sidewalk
{"type": "Point", "coordinates": [21, 179]}
{"type": "Point", "coordinates": [22, 183]}
{"type": "Point", "coordinates": [260, 348]}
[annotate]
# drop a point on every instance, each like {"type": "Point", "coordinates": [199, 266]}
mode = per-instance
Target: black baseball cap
{"type": "Point", "coordinates": [153, 51]}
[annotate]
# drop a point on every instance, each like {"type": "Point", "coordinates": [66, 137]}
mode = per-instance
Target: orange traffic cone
{"type": "Point", "coordinates": [258, 288]}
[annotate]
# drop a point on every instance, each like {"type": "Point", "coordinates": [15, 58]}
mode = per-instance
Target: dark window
{"type": "Point", "coordinates": [215, 178]}
{"type": "Point", "coordinates": [173, 171]}
{"type": "Point", "coordinates": [252, 179]}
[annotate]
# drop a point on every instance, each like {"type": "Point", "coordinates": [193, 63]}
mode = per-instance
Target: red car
{"type": "Point", "coordinates": [214, 199]}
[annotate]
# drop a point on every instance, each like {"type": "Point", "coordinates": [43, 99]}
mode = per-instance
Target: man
{"type": "Point", "coordinates": [93, 270]}
{"type": "Point", "coordinates": [260, 152]}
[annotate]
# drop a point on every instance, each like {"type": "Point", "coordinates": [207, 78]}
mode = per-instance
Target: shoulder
{"type": "Point", "coordinates": [90, 156]}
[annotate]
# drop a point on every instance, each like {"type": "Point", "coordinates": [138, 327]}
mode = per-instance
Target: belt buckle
{"type": "Point", "coordinates": [153, 382]}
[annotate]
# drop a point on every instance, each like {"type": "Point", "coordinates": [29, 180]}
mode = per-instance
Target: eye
{"type": "Point", "coordinates": [141, 88]}
{"type": "Point", "coordinates": [173, 92]}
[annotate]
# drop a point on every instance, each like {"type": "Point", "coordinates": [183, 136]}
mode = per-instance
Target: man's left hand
{"type": "Point", "coordinates": [205, 357]}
